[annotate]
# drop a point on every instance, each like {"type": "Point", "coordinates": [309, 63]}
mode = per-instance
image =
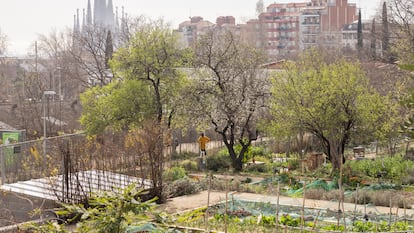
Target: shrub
{"type": "Point", "coordinates": [219, 161]}
{"type": "Point", "coordinates": [315, 193]}
{"type": "Point", "coordinates": [189, 165]}
{"type": "Point", "coordinates": [174, 173]}
{"type": "Point", "coordinates": [256, 152]}
{"type": "Point", "coordinates": [181, 187]}
{"type": "Point", "coordinates": [383, 198]}
{"type": "Point", "coordinates": [261, 158]}
{"type": "Point", "coordinates": [111, 211]}
{"type": "Point", "coordinates": [332, 195]}
{"type": "Point", "coordinates": [293, 164]}
{"type": "Point", "coordinates": [392, 168]}
{"type": "Point", "coordinates": [259, 153]}
{"type": "Point", "coordinates": [260, 168]}
{"type": "Point", "coordinates": [184, 155]}
{"type": "Point", "coordinates": [288, 220]}
{"type": "Point", "coordinates": [409, 180]}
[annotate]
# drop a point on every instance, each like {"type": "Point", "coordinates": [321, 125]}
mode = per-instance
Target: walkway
{"type": "Point", "coordinates": [189, 202]}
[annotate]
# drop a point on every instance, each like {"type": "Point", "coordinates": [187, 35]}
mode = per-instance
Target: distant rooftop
{"type": "Point", "coordinates": [4, 126]}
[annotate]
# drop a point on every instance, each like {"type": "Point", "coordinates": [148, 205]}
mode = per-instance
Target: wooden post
{"type": "Point", "coordinates": [341, 208]}
{"type": "Point", "coordinates": [3, 166]}
{"type": "Point", "coordinates": [208, 201]}
{"type": "Point", "coordinates": [405, 211]}
{"type": "Point", "coordinates": [316, 220]}
{"type": "Point", "coordinates": [225, 211]}
{"type": "Point", "coordinates": [356, 203]}
{"type": "Point", "coordinates": [277, 207]}
{"type": "Point", "coordinates": [389, 224]}
{"type": "Point", "coordinates": [396, 212]}
{"type": "Point", "coordinates": [302, 217]}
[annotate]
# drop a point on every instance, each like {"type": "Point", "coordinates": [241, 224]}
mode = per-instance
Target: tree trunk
{"type": "Point", "coordinates": [236, 161]}
{"type": "Point", "coordinates": [238, 165]}
{"type": "Point", "coordinates": [337, 159]}
{"type": "Point", "coordinates": [336, 162]}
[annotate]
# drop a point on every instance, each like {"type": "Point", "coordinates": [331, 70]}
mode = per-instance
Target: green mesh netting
{"type": "Point", "coordinates": [244, 208]}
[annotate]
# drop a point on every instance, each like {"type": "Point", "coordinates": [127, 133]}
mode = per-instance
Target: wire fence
{"type": "Point", "coordinates": [70, 167]}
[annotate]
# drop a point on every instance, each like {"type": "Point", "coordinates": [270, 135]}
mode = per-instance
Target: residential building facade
{"type": "Point", "coordinates": [285, 29]}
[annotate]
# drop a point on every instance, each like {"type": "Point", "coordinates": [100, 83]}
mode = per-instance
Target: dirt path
{"type": "Point", "coordinates": [189, 202]}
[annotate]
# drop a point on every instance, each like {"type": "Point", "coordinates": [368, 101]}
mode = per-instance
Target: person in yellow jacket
{"type": "Point", "coordinates": [202, 142]}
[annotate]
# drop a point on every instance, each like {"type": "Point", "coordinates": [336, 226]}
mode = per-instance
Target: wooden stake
{"type": "Point", "coordinates": [356, 202]}
{"type": "Point", "coordinates": [225, 211]}
{"type": "Point", "coordinates": [208, 201]}
{"type": "Point", "coordinates": [302, 218]}
{"type": "Point", "coordinates": [389, 223]}
{"type": "Point", "coordinates": [277, 207]}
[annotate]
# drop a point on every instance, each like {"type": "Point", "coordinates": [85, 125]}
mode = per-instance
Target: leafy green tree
{"type": "Point", "coordinates": [118, 105]}
{"type": "Point", "coordinates": [229, 91]}
{"type": "Point", "coordinates": [331, 100]}
{"type": "Point", "coordinates": [150, 63]}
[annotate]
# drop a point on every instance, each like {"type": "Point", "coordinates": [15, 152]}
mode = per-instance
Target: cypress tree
{"type": "Point", "coordinates": [373, 41]}
{"type": "Point", "coordinates": [359, 31]}
{"type": "Point", "coordinates": [385, 32]}
{"type": "Point", "coordinates": [109, 49]}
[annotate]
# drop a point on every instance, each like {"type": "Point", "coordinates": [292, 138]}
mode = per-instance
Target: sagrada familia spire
{"type": "Point", "coordinates": [103, 16]}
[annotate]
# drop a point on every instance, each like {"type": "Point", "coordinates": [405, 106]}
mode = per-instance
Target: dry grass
{"type": "Point", "coordinates": [377, 198]}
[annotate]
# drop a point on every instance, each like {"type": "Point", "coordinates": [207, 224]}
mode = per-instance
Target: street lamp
{"type": "Point", "coordinates": [45, 94]}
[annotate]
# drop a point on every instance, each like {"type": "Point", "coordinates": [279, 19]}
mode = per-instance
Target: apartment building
{"type": "Point", "coordinates": [285, 29]}
{"type": "Point", "coordinates": [191, 29]}
{"type": "Point", "coordinates": [281, 25]}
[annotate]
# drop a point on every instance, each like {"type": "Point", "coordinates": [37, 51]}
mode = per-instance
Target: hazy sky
{"type": "Point", "coordinates": [23, 20]}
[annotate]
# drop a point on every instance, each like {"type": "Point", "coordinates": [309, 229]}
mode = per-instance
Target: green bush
{"type": "Point", "coordinates": [262, 158]}
{"type": "Point", "coordinates": [174, 173]}
{"type": "Point", "coordinates": [219, 161]}
{"type": "Point", "coordinates": [189, 165]}
{"type": "Point", "coordinates": [293, 164]}
{"type": "Point", "coordinates": [256, 152]}
{"type": "Point", "coordinates": [184, 155]}
{"type": "Point", "coordinates": [393, 168]}
{"type": "Point", "coordinates": [288, 220]}
{"type": "Point", "coordinates": [111, 211]}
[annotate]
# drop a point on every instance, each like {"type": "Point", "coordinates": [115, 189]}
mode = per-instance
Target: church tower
{"type": "Point", "coordinates": [103, 13]}
{"type": "Point", "coordinates": [109, 16]}
{"type": "Point", "coordinates": [101, 16]}
{"type": "Point", "coordinates": [99, 12]}
{"type": "Point", "coordinates": [89, 14]}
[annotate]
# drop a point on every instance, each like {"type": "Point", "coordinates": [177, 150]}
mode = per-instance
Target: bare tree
{"type": "Point", "coordinates": [88, 53]}
{"type": "Point", "coordinates": [401, 17]}
{"type": "Point", "coordinates": [231, 90]}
